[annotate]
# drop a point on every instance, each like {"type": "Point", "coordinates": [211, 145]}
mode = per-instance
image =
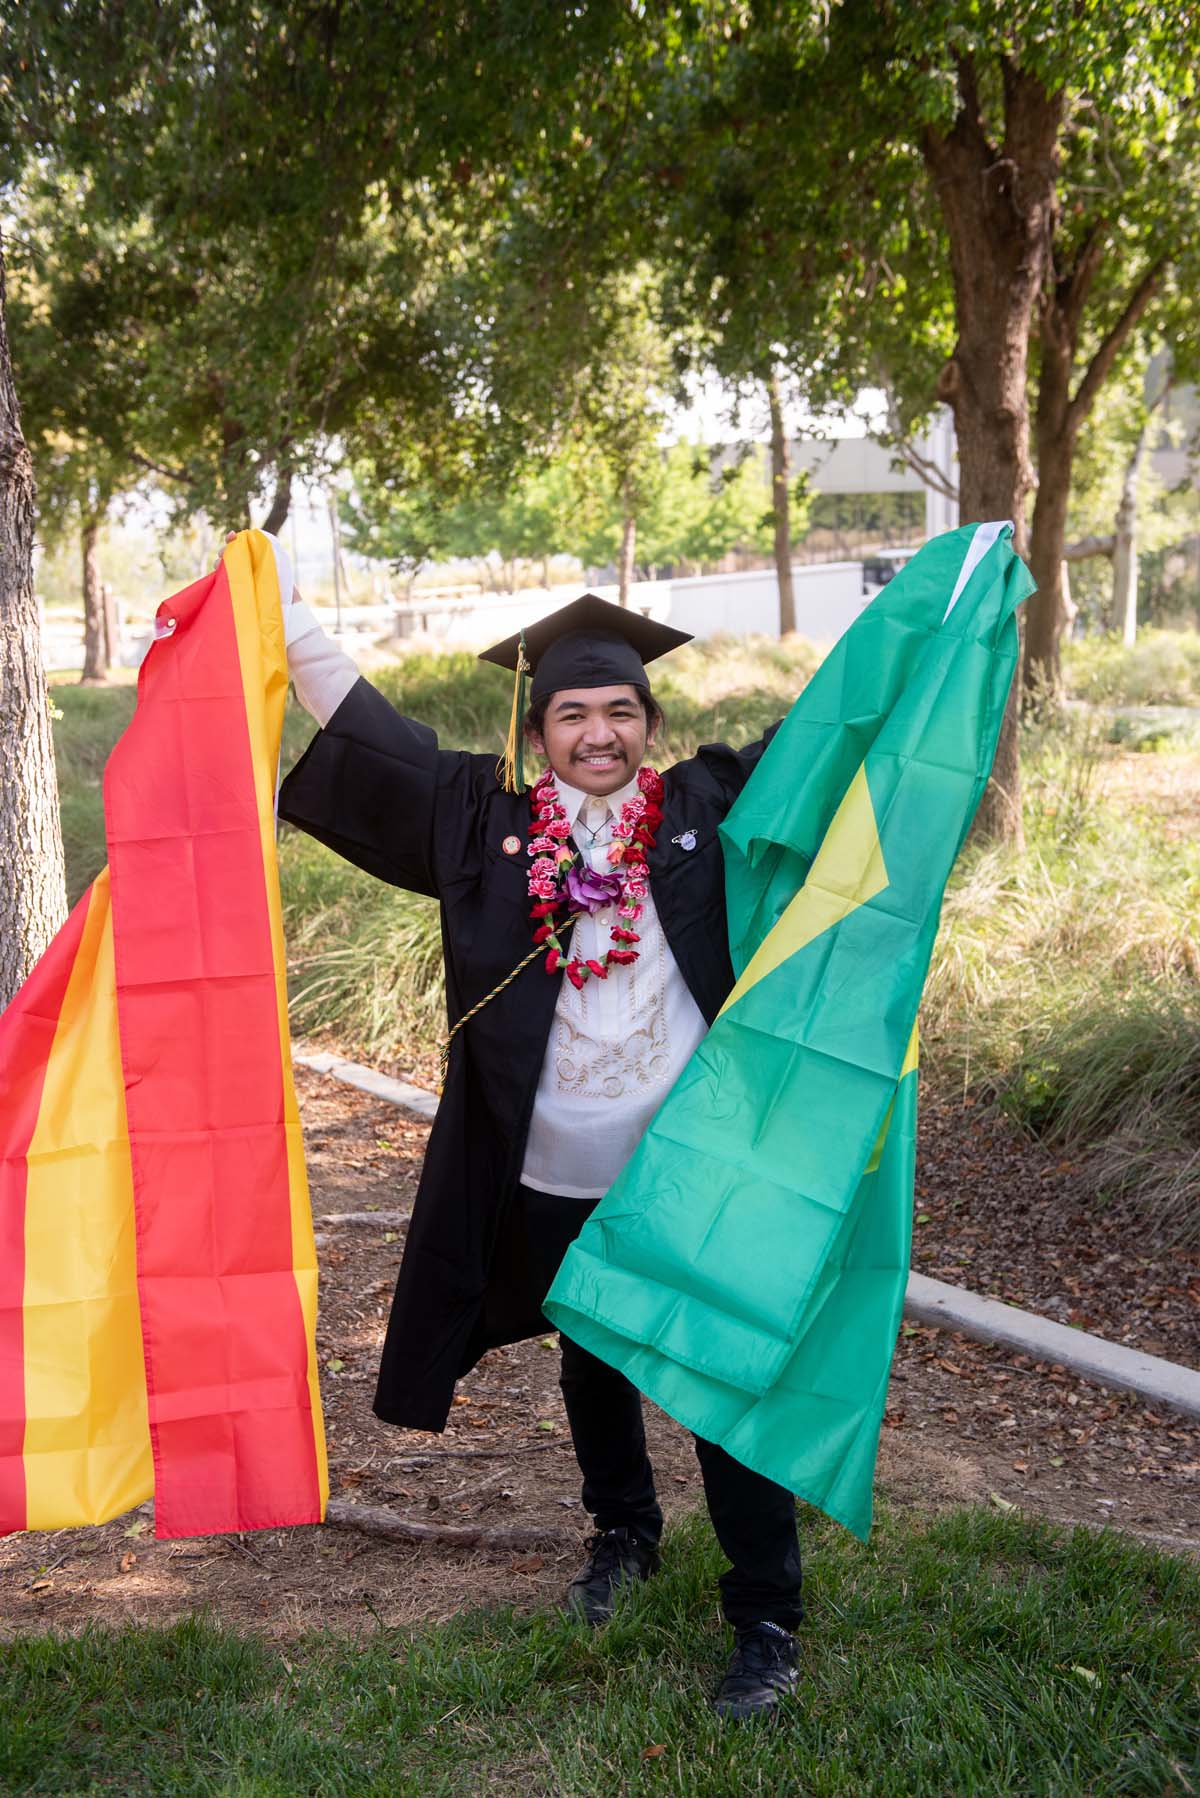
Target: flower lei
{"type": "Point", "coordinates": [554, 858]}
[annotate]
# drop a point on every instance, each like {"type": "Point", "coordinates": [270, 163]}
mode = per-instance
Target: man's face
{"type": "Point", "coordinates": [595, 738]}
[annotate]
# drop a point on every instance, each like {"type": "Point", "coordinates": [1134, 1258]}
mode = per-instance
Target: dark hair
{"type": "Point", "coordinates": [534, 723]}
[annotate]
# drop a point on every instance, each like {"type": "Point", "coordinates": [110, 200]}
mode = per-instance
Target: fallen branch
{"type": "Point", "coordinates": [388, 1218]}
{"type": "Point", "coordinates": [373, 1520]}
{"type": "Point", "coordinates": [408, 1463]}
{"type": "Point", "coordinates": [249, 1552]}
{"type": "Point", "coordinates": [45, 1572]}
{"type": "Point", "coordinates": [479, 1495]}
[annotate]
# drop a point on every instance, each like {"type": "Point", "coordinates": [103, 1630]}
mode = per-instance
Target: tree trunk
{"type": "Point", "coordinates": [95, 659]}
{"type": "Point", "coordinates": [1125, 569]}
{"type": "Point", "coordinates": [1057, 431]}
{"type": "Point", "coordinates": [33, 897]}
{"type": "Point", "coordinates": [999, 208]}
{"type": "Point", "coordinates": [335, 537]}
{"type": "Point", "coordinates": [1046, 612]}
{"type": "Point", "coordinates": [628, 550]}
{"type": "Point", "coordinates": [999, 819]}
{"type": "Point", "coordinates": [1061, 414]}
{"type": "Point", "coordinates": [1070, 609]}
{"type": "Point", "coordinates": [281, 504]}
{"type": "Point", "coordinates": [112, 628]}
{"type": "Point", "coordinates": [780, 471]}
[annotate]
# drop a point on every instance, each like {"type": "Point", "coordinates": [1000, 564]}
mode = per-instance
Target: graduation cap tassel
{"type": "Point", "coordinates": [510, 769]}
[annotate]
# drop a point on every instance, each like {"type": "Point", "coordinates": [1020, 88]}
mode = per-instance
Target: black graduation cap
{"type": "Point", "coordinates": [590, 643]}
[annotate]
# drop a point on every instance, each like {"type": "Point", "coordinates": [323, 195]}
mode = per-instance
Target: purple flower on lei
{"type": "Point", "coordinates": [590, 891]}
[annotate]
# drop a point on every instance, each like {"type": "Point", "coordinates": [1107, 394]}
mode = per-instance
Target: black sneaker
{"type": "Point", "coordinates": [617, 1558]}
{"type": "Point", "coordinates": [763, 1670]}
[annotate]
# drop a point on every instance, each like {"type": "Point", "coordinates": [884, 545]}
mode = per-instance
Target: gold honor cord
{"type": "Point", "coordinates": [444, 1051]}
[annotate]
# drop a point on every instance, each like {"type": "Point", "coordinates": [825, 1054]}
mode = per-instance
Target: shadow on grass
{"type": "Point", "coordinates": [974, 1653]}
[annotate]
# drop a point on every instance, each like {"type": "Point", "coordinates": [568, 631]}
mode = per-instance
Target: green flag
{"type": "Point", "coordinates": [747, 1269]}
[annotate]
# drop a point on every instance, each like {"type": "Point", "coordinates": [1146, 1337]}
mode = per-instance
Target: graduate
{"type": "Point", "coordinates": [584, 932]}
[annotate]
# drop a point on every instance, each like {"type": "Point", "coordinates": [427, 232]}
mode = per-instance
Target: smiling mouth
{"type": "Point", "coordinates": [600, 761]}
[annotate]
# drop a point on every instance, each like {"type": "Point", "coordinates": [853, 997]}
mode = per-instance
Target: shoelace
{"type": "Point", "coordinates": [759, 1650]}
{"type": "Point", "coordinates": [606, 1548]}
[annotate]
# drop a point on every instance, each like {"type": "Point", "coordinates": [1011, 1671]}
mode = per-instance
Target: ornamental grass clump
{"type": "Point", "coordinates": [87, 722]}
{"type": "Point", "coordinates": [1161, 668]}
{"type": "Point", "coordinates": [364, 959]}
{"type": "Point", "coordinates": [1065, 986]}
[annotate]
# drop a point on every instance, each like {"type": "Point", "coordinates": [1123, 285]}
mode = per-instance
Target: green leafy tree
{"type": "Point", "coordinates": [80, 381]}
{"type": "Point", "coordinates": [261, 186]}
{"type": "Point", "coordinates": [696, 504]}
{"type": "Point", "coordinates": [254, 168]}
{"type": "Point", "coordinates": [917, 196]}
{"type": "Point", "coordinates": [33, 894]}
{"type": "Point", "coordinates": [548, 507]}
{"type": "Point", "coordinates": [577, 376]}
{"type": "Point", "coordinates": [394, 521]}
{"type": "Point", "coordinates": [1120, 509]}
{"type": "Point", "coordinates": [706, 506]}
{"type": "Point", "coordinates": [621, 401]}
{"type": "Point", "coordinates": [1123, 266]}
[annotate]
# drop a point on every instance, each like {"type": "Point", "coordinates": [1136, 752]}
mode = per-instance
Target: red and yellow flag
{"type": "Point", "coordinates": [158, 1281]}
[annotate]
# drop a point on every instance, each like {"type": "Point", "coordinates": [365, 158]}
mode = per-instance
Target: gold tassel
{"type": "Point", "coordinates": [510, 769]}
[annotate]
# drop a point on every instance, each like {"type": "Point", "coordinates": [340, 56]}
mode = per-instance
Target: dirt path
{"type": "Point", "coordinates": [965, 1423]}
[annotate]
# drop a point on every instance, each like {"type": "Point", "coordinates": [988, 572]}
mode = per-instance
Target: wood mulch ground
{"type": "Point", "coordinates": [965, 1423]}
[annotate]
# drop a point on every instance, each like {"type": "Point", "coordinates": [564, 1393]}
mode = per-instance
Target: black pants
{"type": "Point", "coordinates": [754, 1519]}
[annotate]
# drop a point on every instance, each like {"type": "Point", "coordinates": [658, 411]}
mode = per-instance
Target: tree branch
{"type": "Point", "coordinates": [1083, 547]}
{"type": "Point", "coordinates": [170, 474]}
{"type": "Point", "coordinates": [928, 472]}
{"type": "Point", "coordinates": [1074, 287]}
{"type": "Point", "coordinates": [281, 504]}
{"type": "Point", "coordinates": [933, 477]}
{"type": "Point", "coordinates": [1114, 340]}
{"type": "Point", "coordinates": [966, 136]}
{"type": "Point", "coordinates": [1032, 115]}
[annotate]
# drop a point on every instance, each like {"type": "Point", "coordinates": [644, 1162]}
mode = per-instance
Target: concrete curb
{"type": "Point", "coordinates": [926, 1301]}
{"type": "Point", "coordinates": [1108, 1363]}
{"type": "Point", "coordinates": [368, 1080]}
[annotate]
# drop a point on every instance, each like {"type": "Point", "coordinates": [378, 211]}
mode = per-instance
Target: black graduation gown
{"type": "Point", "coordinates": [375, 787]}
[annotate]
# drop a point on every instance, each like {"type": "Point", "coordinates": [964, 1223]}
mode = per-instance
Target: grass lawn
{"type": "Point", "coordinates": [976, 1653]}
